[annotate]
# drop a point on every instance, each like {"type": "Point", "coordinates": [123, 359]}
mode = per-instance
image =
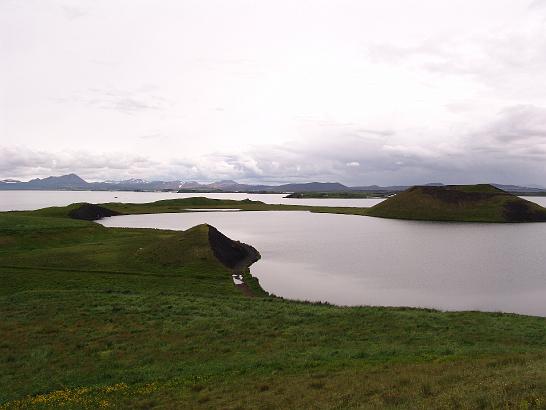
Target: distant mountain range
{"type": "Point", "coordinates": [74, 182]}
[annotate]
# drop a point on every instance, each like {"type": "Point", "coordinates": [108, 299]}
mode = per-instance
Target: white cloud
{"type": "Point", "coordinates": [519, 123]}
{"type": "Point", "coordinates": [439, 90]}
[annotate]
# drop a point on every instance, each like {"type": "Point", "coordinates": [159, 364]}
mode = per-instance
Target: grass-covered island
{"type": "Point", "coordinates": [96, 317]}
{"type": "Point", "coordinates": [462, 203]}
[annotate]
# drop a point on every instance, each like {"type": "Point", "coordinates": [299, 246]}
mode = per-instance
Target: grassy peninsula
{"type": "Point", "coordinates": [142, 318]}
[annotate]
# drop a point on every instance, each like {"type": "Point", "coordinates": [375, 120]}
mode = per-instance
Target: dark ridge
{"type": "Point", "coordinates": [520, 211]}
{"type": "Point", "coordinates": [453, 195]}
{"type": "Point", "coordinates": [91, 212]}
{"type": "Point", "coordinates": [233, 254]}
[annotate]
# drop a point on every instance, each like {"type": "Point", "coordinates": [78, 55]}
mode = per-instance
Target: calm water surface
{"type": "Point", "coordinates": [29, 200]}
{"type": "Point", "coordinates": [355, 260]}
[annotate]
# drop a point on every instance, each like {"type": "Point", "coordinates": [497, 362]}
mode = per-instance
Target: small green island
{"type": "Point", "coordinates": [459, 203]}
{"type": "Point", "coordinates": [98, 317]}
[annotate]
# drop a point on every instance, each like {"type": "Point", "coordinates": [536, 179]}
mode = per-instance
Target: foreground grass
{"type": "Point", "coordinates": [99, 317]}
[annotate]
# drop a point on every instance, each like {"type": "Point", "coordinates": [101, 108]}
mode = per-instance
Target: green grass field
{"type": "Point", "coordinates": [105, 317]}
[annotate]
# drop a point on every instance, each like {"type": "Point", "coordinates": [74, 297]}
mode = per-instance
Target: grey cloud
{"type": "Point", "coordinates": [377, 165]}
{"type": "Point", "coordinates": [380, 133]}
{"type": "Point", "coordinates": [519, 123]}
{"type": "Point", "coordinates": [485, 155]}
{"type": "Point", "coordinates": [435, 56]}
{"type": "Point", "coordinates": [392, 53]}
{"type": "Point", "coordinates": [510, 148]}
{"type": "Point", "coordinates": [130, 105]}
{"type": "Point", "coordinates": [346, 127]}
{"type": "Point", "coordinates": [476, 157]}
{"type": "Point", "coordinates": [123, 101]}
{"type": "Point", "coordinates": [25, 162]}
{"type": "Point", "coordinates": [494, 60]}
{"type": "Point", "coordinates": [537, 4]}
{"type": "Point", "coordinates": [73, 12]}
{"type": "Point", "coordinates": [156, 137]}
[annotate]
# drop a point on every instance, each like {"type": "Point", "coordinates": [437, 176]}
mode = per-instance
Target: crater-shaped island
{"type": "Point", "coordinates": [460, 203]}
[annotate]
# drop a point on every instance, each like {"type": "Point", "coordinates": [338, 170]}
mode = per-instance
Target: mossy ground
{"type": "Point", "coordinates": [102, 317]}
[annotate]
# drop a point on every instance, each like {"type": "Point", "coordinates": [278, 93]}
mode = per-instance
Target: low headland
{"type": "Point", "coordinates": [116, 317]}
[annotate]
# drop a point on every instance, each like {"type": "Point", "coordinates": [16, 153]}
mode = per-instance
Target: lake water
{"type": "Point", "coordinates": [29, 200]}
{"type": "Point", "coordinates": [356, 260]}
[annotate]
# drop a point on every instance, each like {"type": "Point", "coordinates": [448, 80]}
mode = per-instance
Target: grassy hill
{"type": "Point", "coordinates": [96, 317]}
{"type": "Point", "coordinates": [465, 203]}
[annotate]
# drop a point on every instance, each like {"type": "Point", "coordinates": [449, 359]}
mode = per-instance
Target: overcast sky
{"type": "Point", "coordinates": [361, 92]}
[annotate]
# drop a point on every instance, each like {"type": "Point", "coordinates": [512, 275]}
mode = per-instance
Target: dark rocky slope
{"type": "Point", "coordinates": [91, 212]}
{"type": "Point", "coordinates": [233, 254]}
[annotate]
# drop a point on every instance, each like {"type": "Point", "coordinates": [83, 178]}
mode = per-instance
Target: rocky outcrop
{"type": "Point", "coordinates": [233, 254]}
{"type": "Point", "coordinates": [91, 212]}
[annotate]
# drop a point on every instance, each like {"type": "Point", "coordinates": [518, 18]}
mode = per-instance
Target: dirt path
{"type": "Point", "coordinates": [243, 287]}
{"type": "Point", "coordinates": [237, 277]}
